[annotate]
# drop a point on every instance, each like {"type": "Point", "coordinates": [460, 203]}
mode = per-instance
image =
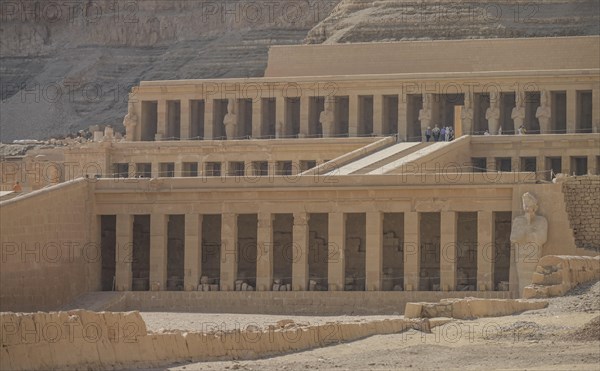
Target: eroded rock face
{"type": "Point", "coordinates": [78, 62]}
{"type": "Point", "coordinates": [396, 20]}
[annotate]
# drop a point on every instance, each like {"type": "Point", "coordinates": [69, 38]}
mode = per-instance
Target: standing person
{"type": "Point", "coordinates": [447, 134]}
{"type": "Point", "coordinates": [443, 134]}
{"type": "Point", "coordinates": [451, 134]}
{"type": "Point", "coordinates": [428, 133]}
{"type": "Point", "coordinates": [436, 133]}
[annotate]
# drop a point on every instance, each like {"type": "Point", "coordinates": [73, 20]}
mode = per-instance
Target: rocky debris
{"type": "Point", "coordinates": [469, 308]}
{"type": "Point", "coordinates": [555, 275]}
{"type": "Point", "coordinates": [588, 332]}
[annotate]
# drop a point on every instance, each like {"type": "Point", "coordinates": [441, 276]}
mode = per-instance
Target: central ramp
{"type": "Point", "coordinates": [382, 155]}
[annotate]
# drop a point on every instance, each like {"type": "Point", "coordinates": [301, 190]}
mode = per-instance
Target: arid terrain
{"type": "Point", "coordinates": [564, 336]}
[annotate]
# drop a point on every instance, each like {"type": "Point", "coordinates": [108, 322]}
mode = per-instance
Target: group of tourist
{"type": "Point", "coordinates": [445, 134]}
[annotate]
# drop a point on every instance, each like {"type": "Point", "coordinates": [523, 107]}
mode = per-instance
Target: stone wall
{"type": "Point", "coordinates": [469, 308]}
{"type": "Point", "coordinates": [48, 250]}
{"type": "Point", "coordinates": [555, 275]}
{"type": "Point", "coordinates": [287, 303]}
{"type": "Point", "coordinates": [89, 340]}
{"type": "Point", "coordinates": [582, 198]}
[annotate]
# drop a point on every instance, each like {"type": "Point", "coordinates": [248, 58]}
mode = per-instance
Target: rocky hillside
{"type": "Point", "coordinates": [67, 65]}
{"type": "Point", "coordinates": [395, 20]}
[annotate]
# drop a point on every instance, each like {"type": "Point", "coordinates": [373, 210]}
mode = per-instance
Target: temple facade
{"type": "Point", "coordinates": [321, 176]}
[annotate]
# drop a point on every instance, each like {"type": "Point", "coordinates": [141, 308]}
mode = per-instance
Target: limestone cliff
{"type": "Point", "coordinates": [68, 65]}
{"type": "Point", "coordinates": [395, 20]}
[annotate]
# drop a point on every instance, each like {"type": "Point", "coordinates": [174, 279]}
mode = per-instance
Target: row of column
{"type": "Point", "coordinates": [380, 124]}
{"type": "Point", "coordinates": [282, 123]}
{"type": "Point", "coordinates": [300, 278]}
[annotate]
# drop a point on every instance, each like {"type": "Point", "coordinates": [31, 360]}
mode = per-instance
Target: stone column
{"type": "Point", "coordinates": [209, 105]}
{"type": "Point", "coordinates": [161, 126]}
{"type": "Point", "coordinates": [178, 169]}
{"type": "Point", "coordinates": [448, 251]}
{"type": "Point", "coordinates": [304, 116]}
{"type": "Point", "coordinates": [193, 251]}
{"type": "Point", "coordinates": [264, 250]}
{"type": "Point", "coordinates": [596, 110]}
{"type": "Point", "coordinates": [131, 171]}
{"type": "Point", "coordinates": [158, 251]}
{"type": "Point", "coordinates": [571, 111]}
{"type": "Point", "coordinates": [155, 169]}
{"type": "Point", "coordinates": [403, 116]}
{"type": "Point", "coordinates": [377, 114]}
{"type": "Point", "coordinates": [257, 130]}
{"type": "Point", "coordinates": [374, 263]}
{"type": "Point", "coordinates": [124, 252]}
{"type": "Point", "coordinates": [565, 164]}
{"type": "Point", "coordinates": [485, 251]}
{"type": "Point", "coordinates": [280, 119]}
{"type": "Point", "coordinates": [300, 253]}
{"type": "Point", "coordinates": [412, 249]}
{"type": "Point", "coordinates": [354, 113]}
{"type": "Point", "coordinates": [185, 120]}
{"type": "Point", "coordinates": [337, 243]}
{"type": "Point", "coordinates": [229, 233]}
{"type": "Point", "coordinates": [593, 165]}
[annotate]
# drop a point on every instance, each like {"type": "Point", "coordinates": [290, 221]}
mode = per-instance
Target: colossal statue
{"type": "Point", "coordinates": [528, 235]}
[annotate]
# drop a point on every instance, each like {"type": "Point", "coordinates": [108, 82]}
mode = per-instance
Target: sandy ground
{"type": "Point", "coordinates": [556, 338]}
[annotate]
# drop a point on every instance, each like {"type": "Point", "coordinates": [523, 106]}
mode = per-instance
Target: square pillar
{"type": "Point", "coordinates": [374, 263]}
{"type": "Point", "coordinates": [353, 115]}
{"type": "Point", "coordinates": [264, 250]}
{"type": "Point", "coordinates": [280, 124]}
{"type": "Point", "coordinates": [229, 234]}
{"type": "Point", "coordinates": [193, 251]}
{"type": "Point", "coordinates": [571, 111]}
{"type": "Point", "coordinates": [158, 251]}
{"type": "Point", "coordinates": [209, 105]}
{"type": "Point", "coordinates": [485, 251]}
{"type": "Point", "coordinates": [596, 110]}
{"type": "Point", "coordinates": [257, 118]}
{"type": "Point", "coordinates": [304, 116]}
{"type": "Point", "coordinates": [155, 169]}
{"type": "Point", "coordinates": [411, 251]}
{"type": "Point", "coordinates": [377, 114]}
{"type": "Point", "coordinates": [178, 169]}
{"type": "Point", "coordinates": [185, 120]}
{"type": "Point", "coordinates": [300, 253]}
{"type": "Point", "coordinates": [124, 252]}
{"type": "Point", "coordinates": [448, 251]}
{"type": "Point", "coordinates": [565, 162]}
{"type": "Point", "coordinates": [403, 116]}
{"type": "Point", "coordinates": [161, 125]}
{"type": "Point", "coordinates": [336, 246]}
{"type": "Point", "coordinates": [131, 170]}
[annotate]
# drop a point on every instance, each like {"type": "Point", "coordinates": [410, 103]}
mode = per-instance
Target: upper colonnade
{"type": "Point", "coordinates": [546, 86]}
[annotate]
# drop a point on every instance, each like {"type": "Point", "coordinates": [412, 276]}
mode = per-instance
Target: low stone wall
{"type": "Point", "coordinates": [469, 308]}
{"type": "Point", "coordinates": [557, 274]}
{"type": "Point", "coordinates": [582, 198]}
{"type": "Point", "coordinates": [89, 340]}
{"type": "Point", "coordinates": [322, 303]}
